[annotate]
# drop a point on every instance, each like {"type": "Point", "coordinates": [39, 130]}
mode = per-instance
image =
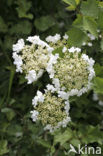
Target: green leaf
{"type": "Point", "coordinates": [3, 147]}
{"type": "Point", "coordinates": [71, 8]}
{"type": "Point", "coordinates": [63, 137]}
{"type": "Point", "coordinates": [76, 37]}
{"type": "Point", "coordinates": [15, 130]}
{"type": "Point", "coordinates": [98, 70]}
{"type": "Point", "coordinates": [100, 19]}
{"type": "Point", "coordinates": [43, 23]}
{"type": "Point", "coordinates": [75, 142]}
{"type": "Point", "coordinates": [90, 25]}
{"type": "Point", "coordinates": [44, 143]}
{"type": "Point", "coordinates": [89, 8]}
{"type": "Point", "coordinates": [94, 131]}
{"type": "Point", "coordinates": [98, 85]}
{"type": "Point", "coordinates": [77, 2]}
{"type": "Point", "coordinates": [23, 27]}
{"type": "Point", "coordinates": [58, 51]}
{"type": "Point", "coordinates": [78, 22]}
{"type": "Point", "coordinates": [9, 113]}
{"type": "Point", "coordinates": [3, 25]}
{"type": "Point", "coordinates": [70, 2]}
{"type": "Point", "coordinates": [23, 8]}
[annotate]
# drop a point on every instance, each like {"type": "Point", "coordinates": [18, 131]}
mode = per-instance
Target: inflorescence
{"type": "Point", "coordinates": [70, 71]}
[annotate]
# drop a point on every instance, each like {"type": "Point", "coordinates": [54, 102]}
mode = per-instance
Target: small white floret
{"type": "Point", "coordinates": [66, 37]}
{"type": "Point", "coordinates": [18, 46]}
{"type": "Point", "coordinates": [34, 115]}
{"type": "Point", "coordinates": [31, 76]}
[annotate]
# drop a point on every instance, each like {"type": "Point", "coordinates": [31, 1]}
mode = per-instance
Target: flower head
{"type": "Point", "coordinates": [73, 72]}
{"type": "Point", "coordinates": [53, 111]}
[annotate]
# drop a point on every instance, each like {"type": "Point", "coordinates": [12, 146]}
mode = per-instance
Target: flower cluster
{"type": "Point", "coordinates": [72, 74]}
{"type": "Point", "coordinates": [34, 59]}
{"type": "Point", "coordinates": [70, 71]}
{"type": "Point", "coordinates": [51, 110]}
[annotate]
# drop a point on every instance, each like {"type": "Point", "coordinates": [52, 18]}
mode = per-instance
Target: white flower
{"type": "Point", "coordinates": [53, 60]}
{"type": "Point", "coordinates": [36, 40]}
{"type": "Point", "coordinates": [31, 76]}
{"type": "Point", "coordinates": [38, 98]}
{"type": "Point", "coordinates": [74, 49]}
{"type": "Point", "coordinates": [91, 74]}
{"type": "Point", "coordinates": [90, 66]}
{"type": "Point", "coordinates": [18, 46]}
{"type": "Point", "coordinates": [48, 127]}
{"type": "Point", "coordinates": [18, 62]}
{"type": "Point", "coordinates": [83, 90]}
{"type": "Point", "coordinates": [56, 83]}
{"type": "Point", "coordinates": [34, 115]}
{"type": "Point", "coordinates": [50, 70]}
{"type": "Point", "coordinates": [92, 37]}
{"type": "Point", "coordinates": [78, 50]}
{"type": "Point", "coordinates": [53, 39]}
{"type": "Point", "coordinates": [61, 123]}
{"type": "Point", "coordinates": [64, 49]}
{"type": "Point", "coordinates": [65, 36]}
{"type": "Point", "coordinates": [33, 39]}
{"type": "Point", "coordinates": [67, 107]}
{"type": "Point", "coordinates": [85, 57]}
{"type": "Point", "coordinates": [50, 49]}
{"type": "Point", "coordinates": [63, 95]}
{"type": "Point", "coordinates": [90, 44]}
{"type": "Point", "coordinates": [51, 88]}
{"type": "Point", "coordinates": [73, 92]}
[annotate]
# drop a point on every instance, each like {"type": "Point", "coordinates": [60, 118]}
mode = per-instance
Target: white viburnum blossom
{"type": "Point", "coordinates": [64, 95]}
{"type": "Point", "coordinates": [53, 60]}
{"type": "Point", "coordinates": [38, 98]}
{"type": "Point", "coordinates": [33, 59]}
{"type": "Point", "coordinates": [66, 37]}
{"type": "Point", "coordinates": [51, 88]}
{"type": "Point", "coordinates": [64, 49]}
{"type": "Point", "coordinates": [74, 49]}
{"type": "Point", "coordinates": [18, 46]}
{"type": "Point", "coordinates": [51, 110]}
{"type": "Point", "coordinates": [18, 62]}
{"type": "Point", "coordinates": [53, 39]}
{"type": "Point", "coordinates": [34, 115]}
{"type": "Point", "coordinates": [31, 76]}
{"type": "Point", "coordinates": [73, 72]}
{"type": "Point", "coordinates": [37, 41]}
